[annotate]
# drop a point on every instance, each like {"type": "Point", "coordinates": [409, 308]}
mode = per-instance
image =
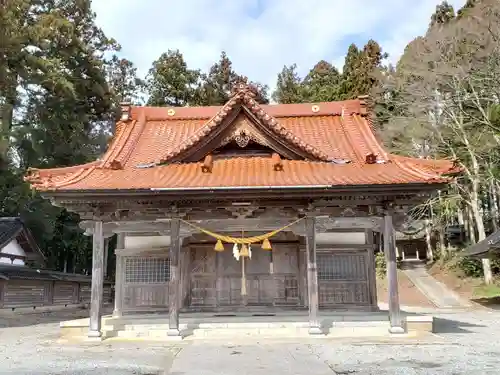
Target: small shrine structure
{"type": "Point", "coordinates": [244, 206]}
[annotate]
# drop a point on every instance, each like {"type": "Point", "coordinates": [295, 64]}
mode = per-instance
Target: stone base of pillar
{"type": "Point", "coordinates": [315, 331]}
{"type": "Point", "coordinates": [93, 339]}
{"type": "Point", "coordinates": [173, 332]}
{"type": "Point", "coordinates": [94, 335]}
{"type": "Point", "coordinates": [396, 330]}
{"type": "Point", "coordinates": [117, 314]}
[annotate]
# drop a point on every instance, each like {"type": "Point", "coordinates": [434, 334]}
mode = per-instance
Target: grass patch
{"type": "Point", "coordinates": [487, 291]}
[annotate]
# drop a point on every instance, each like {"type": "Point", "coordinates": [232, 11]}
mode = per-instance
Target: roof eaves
{"type": "Point", "coordinates": [9, 230]}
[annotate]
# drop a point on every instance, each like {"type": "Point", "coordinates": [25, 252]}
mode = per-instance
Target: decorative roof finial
{"type": "Point", "coordinates": [125, 108]}
{"type": "Point", "coordinates": [241, 85]}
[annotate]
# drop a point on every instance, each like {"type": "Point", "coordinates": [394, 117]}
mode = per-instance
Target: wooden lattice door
{"type": "Point", "coordinates": [203, 277]}
{"type": "Point", "coordinates": [228, 279]}
{"type": "Point", "coordinates": [343, 278]}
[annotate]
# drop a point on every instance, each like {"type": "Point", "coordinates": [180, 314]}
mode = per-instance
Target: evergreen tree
{"type": "Point", "coordinates": [42, 43]}
{"type": "Point", "coordinates": [124, 85]}
{"type": "Point", "coordinates": [444, 14]}
{"type": "Point", "coordinates": [361, 68]}
{"type": "Point", "coordinates": [469, 4]}
{"type": "Point", "coordinates": [170, 82]}
{"type": "Point", "coordinates": [322, 84]}
{"type": "Point", "coordinates": [217, 84]}
{"type": "Point", "coordinates": [53, 76]}
{"type": "Point", "coordinates": [289, 86]}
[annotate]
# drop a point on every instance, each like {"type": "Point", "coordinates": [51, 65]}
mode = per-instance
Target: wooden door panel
{"type": "Point", "coordinates": [203, 280]}
{"type": "Point", "coordinates": [343, 278]}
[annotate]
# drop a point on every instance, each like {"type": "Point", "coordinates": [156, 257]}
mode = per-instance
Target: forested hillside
{"type": "Point", "coordinates": [61, 81]}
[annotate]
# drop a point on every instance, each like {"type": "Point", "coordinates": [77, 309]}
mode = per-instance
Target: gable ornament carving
{"type": "Point", "coordinates": [242, 139]}
{"type": "Point", "coordinates": [244, 132]}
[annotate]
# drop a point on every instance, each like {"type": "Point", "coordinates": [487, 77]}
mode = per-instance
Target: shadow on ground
{"type": "Point", "coordinates": [490, 303]}
{"type": "Point", "coordinates": [453, 326]}
{"type": "Point", "coordinates": [25, 319]}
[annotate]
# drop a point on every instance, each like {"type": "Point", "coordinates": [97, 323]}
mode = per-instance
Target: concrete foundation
{"type": "Point", "coordinates": [284, 325]}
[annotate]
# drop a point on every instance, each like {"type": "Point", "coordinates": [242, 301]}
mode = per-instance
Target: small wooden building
{"type": "Point", "coordinates": [307, 186]}
{"type": "Point", "coordinates": [488, 247]}
{"type": "Point", "coordinates": [26, 287]}
{"type": "Point", "coordinates": [17, 245]}
{"type": "Point", "coordinates": [24, 283]}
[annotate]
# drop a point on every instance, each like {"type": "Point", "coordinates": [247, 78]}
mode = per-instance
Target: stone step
{"type": "Point", "coordinates": [240, 330]}
{"type": "Point", "coordinates": [242, 325]}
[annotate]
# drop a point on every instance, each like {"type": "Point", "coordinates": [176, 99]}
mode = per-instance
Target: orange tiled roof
{"type": "Point", "coordinates": [149, 144]}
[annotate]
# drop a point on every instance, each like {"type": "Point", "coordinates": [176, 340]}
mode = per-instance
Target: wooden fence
{"type": "Point", "coordinates": [23, 287]}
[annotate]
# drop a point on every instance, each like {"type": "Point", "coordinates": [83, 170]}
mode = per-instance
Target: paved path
{"type": "Point", "coordinates": [435, 291]}
{"type": "Point", "coordinates": [465, 344]}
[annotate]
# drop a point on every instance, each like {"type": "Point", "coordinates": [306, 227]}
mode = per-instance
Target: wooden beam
{"type": "Point", "coordinates": [248, 225]}
{"type": "Point", "coordinates": [312, 277]}
{"type": "Point", "coordinates": [323, 224]}
{"type": "Point", "coordinates": [174, 285]}
{"type": "Point", "coordinates": [96, 295]}
{"type": "Point", "coordinates": [113, 227]}
{"type": "Point", "coordinates": [396, 323]}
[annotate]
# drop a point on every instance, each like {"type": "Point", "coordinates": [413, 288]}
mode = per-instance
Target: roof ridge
{"type": "Point", "coordinates": [129, 145]}
{"type": "Point", "coordinates": [43, 177]}
{"type": "Point", "coordinates": [347, 131]}
{"type": "Point", "coordinates": [371, 141]}
{"type": "Point", "coordinates": [332, 108]}
{"type": "Point", "coordinates": [244, 98]}
{"type": "Point", "coordinates": [114, 149]}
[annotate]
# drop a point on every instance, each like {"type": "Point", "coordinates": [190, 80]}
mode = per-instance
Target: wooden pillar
{"type": "Point", "coordinates": [106, 254]}
{"type": "Point", "coordinates": [119, 275]}
{"type": "Point", "coordinates": [371, 269]}
{"type": "Point", "coordinates": [174, 285]}
{"type": "Point", "coordinates": [96, 295]}
{"type": "Point", "coordinates": [396, 323]}
{"type": "Point", "coordinates": [312, 276]}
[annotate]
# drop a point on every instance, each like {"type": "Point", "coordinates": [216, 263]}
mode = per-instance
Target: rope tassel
{"type": "Point", "coordinates": [219, 246]}
{"type": "Point", "coordinates": [266, 245]}
{"type": "Point", "coordinates": [244, 250]}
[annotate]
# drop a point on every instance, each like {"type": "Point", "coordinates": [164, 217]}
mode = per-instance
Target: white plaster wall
{"type": "Point", "coordinates": [341, 238]}
{"type": "Point", "coordinates": [12, 248]}
{"type": "Point", "coordinates": [146, 242]}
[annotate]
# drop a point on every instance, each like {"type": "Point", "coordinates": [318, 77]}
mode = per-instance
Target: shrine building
{"type": "Point", "coordinates": [244, 207]}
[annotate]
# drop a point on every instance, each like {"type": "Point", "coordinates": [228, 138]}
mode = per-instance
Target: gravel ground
{"type": "Point", "coordinates": [467, 343]}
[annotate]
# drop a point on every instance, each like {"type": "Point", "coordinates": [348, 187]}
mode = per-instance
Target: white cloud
{"type": "Point", "coordinates": [260, 36]}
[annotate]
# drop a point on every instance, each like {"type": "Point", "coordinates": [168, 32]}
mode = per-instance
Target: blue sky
{"type": "Point", "coordinates": [260, 36]}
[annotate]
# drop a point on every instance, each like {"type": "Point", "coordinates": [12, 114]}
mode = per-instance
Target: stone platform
{"type": "Point", "coordinates": [216, 326]}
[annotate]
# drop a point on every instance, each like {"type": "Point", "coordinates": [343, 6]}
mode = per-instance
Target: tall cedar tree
{"type": "Point", "coordinates": [170, 82]}
{"type": "Point", "coordinates": [40, 41]}
{"type": "Point", "coordinates": [65, 100]}
{"type": "Point", "coordinates": [361, 69]}
{"type": "Point", "coordinates": [322, 83]}
{"type": "Point", "coordinates": [289, 86]}
{"type": "Point", "coordinates": [217, 84]}
{"type": "Point", "coordinates": [124, 84]}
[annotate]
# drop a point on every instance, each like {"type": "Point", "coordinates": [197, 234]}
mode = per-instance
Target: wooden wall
{"type": "Point", "coordinates": [19, 293]}
{"type": "Point", "coordinates": [212, 281]}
